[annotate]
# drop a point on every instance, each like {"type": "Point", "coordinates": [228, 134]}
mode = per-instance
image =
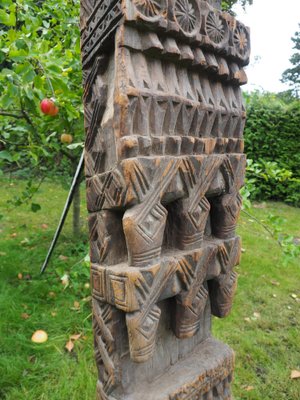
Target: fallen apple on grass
{"type": "Point", "coordinates": [39, 336]}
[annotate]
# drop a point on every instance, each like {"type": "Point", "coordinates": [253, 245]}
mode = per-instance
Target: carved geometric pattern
{"type": "Point", "coordinates": [191, 302]}
{"type": "Point", "coordinates": [222, 291]}
{"type": "Point", "coordinates": [129, 288]}
{"type": "Point", "coordinates": [104, 348]}
{"type": "Point", "coordinates": [101, 25]}
{"type": "Point", "coordinates": [106, 191]}
{"type": "Point", "coordinates": [194, 109]}
{"type": "Point", "coordinates": [142, 325]}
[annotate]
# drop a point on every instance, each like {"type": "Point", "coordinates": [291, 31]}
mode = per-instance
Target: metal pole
{"type": "Point", "coordinates": [63, 217]}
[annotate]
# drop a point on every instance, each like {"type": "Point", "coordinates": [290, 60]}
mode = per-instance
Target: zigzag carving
{"type": "Point", "coordinates": [128, 288]}
{"type": "Point", "coordinates": [135, 182]}
{"type": "Point", "coordinates": [165, 100]}
{"type": "Point", "coordinates": [195, 58]}
{"type": "Point", "coordinates": [101, 25]}
{"type": "Point", "coordinates": [104, 348]}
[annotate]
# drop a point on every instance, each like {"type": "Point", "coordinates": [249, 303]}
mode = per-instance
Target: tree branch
{"type": "Point", "coordinates": [26, 117]}
{"type": "Point", "coordinates": [10, 114]}
{"type": "Point", "coordinates": [267, 229]}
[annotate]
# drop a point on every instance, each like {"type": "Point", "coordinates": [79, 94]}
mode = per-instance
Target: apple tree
{"type": "Point", "coordinates": [40, 63]}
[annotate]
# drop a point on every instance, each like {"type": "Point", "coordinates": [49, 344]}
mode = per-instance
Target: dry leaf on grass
{"type": "Point", "coordinates": [75, 336]}
{"type": "Point", "coordinates": [20, 276]}
{"type": "Point", "coordinates": [63, 258]}
{"type": "Point", "coordinates": [70, 343]}
{"type": "Point", "coordinates": [24, 315]}
{"type": "Point", "coordinates": [44, 226]}
{"type": "Point", "coordinates": [249, 388]}
{"type": "Point", "coordinates": [295, 374]}
{"type": "Point", "coordinates": [69, 346]}
{"type": "Point", "coordinates": [39, 336]}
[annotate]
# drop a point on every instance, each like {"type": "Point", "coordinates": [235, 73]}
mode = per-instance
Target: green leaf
{"type": "Point", "coordinates": [7, 100]}
{"type": "Point", "coordinates": [38, 82]}
{"type": "Point", "coordinates": [75, 145]}
{"type": "Point", "coordinates": [29, 75]}
{"type": "Point", "coordinates": [18, 55]}
{"type": "Point", "coordinates": [5, 155]}
{"type": "Point", "coordinates": [35, 207]}
{"type": "Point", "coordinates": [8, 19]}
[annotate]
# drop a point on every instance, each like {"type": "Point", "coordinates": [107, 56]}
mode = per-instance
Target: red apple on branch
{"type": "Point", "coordinates": [49, 107]}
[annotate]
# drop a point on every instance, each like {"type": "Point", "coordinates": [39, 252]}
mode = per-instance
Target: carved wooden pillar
{"type": "Point", "coordinates": [164, 120]}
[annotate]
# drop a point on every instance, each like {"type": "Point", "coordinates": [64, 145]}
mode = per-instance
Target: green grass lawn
{"type": "Point", "coordinates": [263, 328]}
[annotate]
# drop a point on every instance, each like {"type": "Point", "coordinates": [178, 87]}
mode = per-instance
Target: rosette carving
{"type": "Point", "coordinates": [151, 8]}
{"type": "Point", "coordinates": [241, 41]}
{"type": "Point", "coordinates": [216, 28]}
{"type": "Point", "coordinates": [185, 12]}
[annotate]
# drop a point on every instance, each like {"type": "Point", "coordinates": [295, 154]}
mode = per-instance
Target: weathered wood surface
{"type": "Point", "coordinates": [164, 120]}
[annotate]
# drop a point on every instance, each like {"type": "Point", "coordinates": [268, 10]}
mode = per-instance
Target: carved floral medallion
{"type": "Point", "coordinates": [185, 14]}
{"type": "Point", "coordinates": [215, 27]}
{"type": "Point", "coordinates": [150, 8]}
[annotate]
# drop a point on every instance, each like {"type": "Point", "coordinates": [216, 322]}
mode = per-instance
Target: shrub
{"type": "Point", "coordinates": [273, 129]}
{"type": "Point", "coordinates": [273, 147]}
{"type": "Point", "coordinates": [266, 180]}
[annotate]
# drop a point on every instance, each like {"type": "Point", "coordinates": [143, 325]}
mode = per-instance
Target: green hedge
{"type": "Point", "coordinates": [272, 143]}
{"type": "Point", "coordinates": [273, 131]}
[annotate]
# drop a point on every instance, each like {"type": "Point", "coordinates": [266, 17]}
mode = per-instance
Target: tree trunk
{"type": "Point", "coordinates": [76, 212]}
